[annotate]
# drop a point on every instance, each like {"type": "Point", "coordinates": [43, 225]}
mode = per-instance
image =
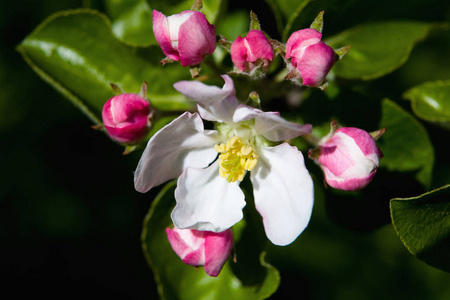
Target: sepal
{"type": "Point", "coordinates": [197, 6]}
{"type": "Point", "coordinates": [224, 43]}
{"type": "Point", "coordinates": [278, 47]}
{"type": "Point", "coordinates": [143, 92]}
{"type": "Point", "coordinates": [253, 100]}
{"type": "Point", "coordinates": [195, 71]}
{"type": "Point", "coordinates": [116, 89]}
{"type": "Point", "coordinates": [377, 133]}
{"type": "Point", "coordinates": [166, 60]}
{"type": "Point", "coordinates": [317, 24]}
{"type": "Point", "coordinates": [129, 149]}
{"type": "Point", "coordinates": [293, 74]}
{"type": "Point", "coordinates": [342, 51]}
{"type": "Point", "coordinates": [254, 22]}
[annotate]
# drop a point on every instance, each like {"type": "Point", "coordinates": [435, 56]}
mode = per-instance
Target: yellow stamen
{"type": "Point", "coordinates": [235, 158]}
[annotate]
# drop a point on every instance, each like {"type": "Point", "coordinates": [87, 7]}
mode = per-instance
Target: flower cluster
{"type": "Point", "coordinates": [210, 164]}
{"type": "Point", "coordinates": [307, 57]}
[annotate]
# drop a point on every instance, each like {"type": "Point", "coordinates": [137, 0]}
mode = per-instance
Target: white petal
{"type": "Point", "coordinates": [270, 124]}
{"type": "Point", "coordinates": [206, 201]}
{"type": "Point", "coordinates": [182, 143]}
{"type": "Point", "coordinates": [214, 103]}
{"type": "Point", "coordinates": [284, 192]}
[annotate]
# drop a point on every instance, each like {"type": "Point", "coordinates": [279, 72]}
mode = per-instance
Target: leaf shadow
{"type": "Point", "coordinates": [251, 244]}
{"type": "Point", "coordinates": [368, 209]}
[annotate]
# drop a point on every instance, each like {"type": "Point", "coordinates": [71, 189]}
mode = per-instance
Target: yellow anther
{"type": "Point", "coordinates": [235, 159]}
{"type": "Point", "coordinates": [246, 150]}
{"type": "Point", "coordinates": [219, 148]}
{"type": "Point", "coordinates": [233, 142]}
{"type": "Point", "coordinates": [250, 164]}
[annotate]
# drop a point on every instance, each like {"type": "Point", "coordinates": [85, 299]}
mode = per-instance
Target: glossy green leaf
{"type": "Point", "coordinates": [211, 8]}
{"type": "Point", "coordinates": [76, 52]}
{"type": "Point", "coordinates": [423, 225]}
{"type": "Point", "coordinates": [405, 144]}
{"type": "Point", "coordinates": [286, 12]}
{"type": "Point", "coordinates": [131, 21]}
{"type": "Point", "coordinates": [431, 102]}
{"type": "Point", "coordinates": [177, 280]}
{"type": "Point", "coordinates": [377, 48]}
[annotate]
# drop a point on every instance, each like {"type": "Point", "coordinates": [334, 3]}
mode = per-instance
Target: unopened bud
{"type": "Point", "coordinates": [310, 56]}
{"type": "Point", "coordinates": [251, 52]}
{"type": "Point", "coordinates": [126, 118]}
{"type": "Point", "coordinates": [186, 37]}
{"type": "Point", "coordinates": [349, 159]}
{"type": "Point", "coordinates": [202, 248]}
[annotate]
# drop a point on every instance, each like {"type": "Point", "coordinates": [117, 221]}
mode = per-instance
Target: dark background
{"type": "Point", "coordinates": [70, 219]}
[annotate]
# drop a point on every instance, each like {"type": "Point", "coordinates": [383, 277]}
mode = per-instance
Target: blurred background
{"type": "Point", "coordinates": [70, 219]}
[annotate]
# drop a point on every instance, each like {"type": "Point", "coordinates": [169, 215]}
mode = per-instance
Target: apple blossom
{"type": "Point", "coordinates": [184, 37]}
{"type": "Point", "coordinates": [202, 248]}
{"type": "Point", "coordinates": [251, 52]}
{"type": "Point", "coordinates": [349, 158]}
{"type": "Point", "coordinates": [310, 56]}
{"type": "Point", "coordinates": [126, 118]}
{"type": "Point", "coordinates": [208, 195]}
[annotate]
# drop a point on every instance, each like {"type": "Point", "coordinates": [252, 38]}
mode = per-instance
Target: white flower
{"type": "Point", "coordinates": [208, 195]}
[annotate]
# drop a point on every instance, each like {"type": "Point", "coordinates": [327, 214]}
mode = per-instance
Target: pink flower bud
{"type": "Point", "coordinates": [186, 36]}
{"type": "Point", "coordinates": [349, 159]}
{"type": "Point", "coordinates": [252, 51]}
{"type": "Point", "coordinates": [126, 118]}
{"type": "Point", "coordinates": [310, 55]}
{"type": "Point", "coordinates": [202, 248]}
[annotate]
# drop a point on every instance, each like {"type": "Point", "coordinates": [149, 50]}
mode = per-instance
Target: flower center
{"type": "Point", "coordinates": [235, 158]}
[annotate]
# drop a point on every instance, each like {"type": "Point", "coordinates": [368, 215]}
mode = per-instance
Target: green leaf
{"type": "Point", "coordinates": [430, 101]}
{"type": "Point", "coordinates": [377, 48]}
{"type": "Point", "coordinates": [76, 52]}
{"type": "Point", "coordinates": [423, 225]}
{"type": "Point", "coordinates": [333, 262]}
{"type": "Point", "coordinates": [233, 24]}
{"type": "Point", "coordinates": [286, 12]}
{"type": "Point", "coordinates": [211, 8]}
{"type": "Point", "coordinates": [131, 21]}
{"type": "Point", "coordinates": [405, 144]}
{"type": "Point", "coordinates": [177, 280]}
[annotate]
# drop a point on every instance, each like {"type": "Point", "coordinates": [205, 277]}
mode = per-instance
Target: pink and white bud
{"type": "Point", "coordinates": [310, 56]}
{"type": "Point", "coordinates": [202, 248]}
{"type": "Point", "coordinates": [252, 51]}
{"type": "Point", "coordinates": [349, 159]}
{"type": "Point", "coordinates": [126, 118]}
{"type": "Point", "coordinates": [184, 37]}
